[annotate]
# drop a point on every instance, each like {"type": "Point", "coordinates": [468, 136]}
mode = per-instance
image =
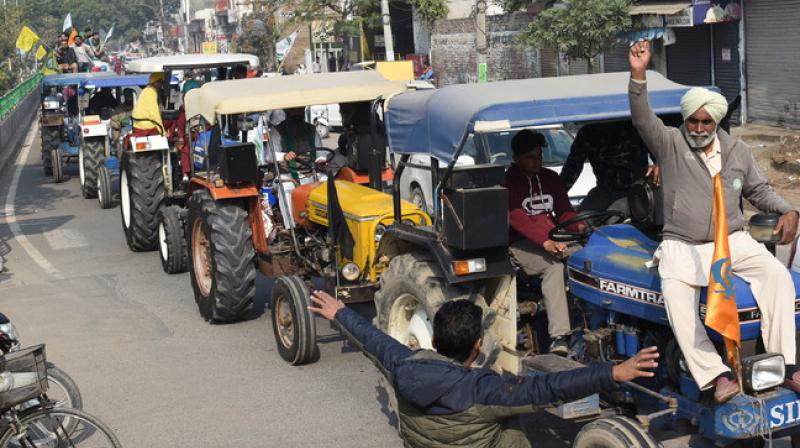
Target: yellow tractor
{"type": "Point", "coordinates": [251, 208]}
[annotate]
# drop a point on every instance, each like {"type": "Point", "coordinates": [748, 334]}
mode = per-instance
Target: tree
{"type": "Point", "coordinates": [580, 28]}
{"type": "Point", "coordinates": [430, 10]}
{"type": "Point", "coordinates": [260, 32]}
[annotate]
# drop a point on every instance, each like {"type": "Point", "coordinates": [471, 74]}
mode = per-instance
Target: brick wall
{"type": "Point", "coordinates": [453, 53]}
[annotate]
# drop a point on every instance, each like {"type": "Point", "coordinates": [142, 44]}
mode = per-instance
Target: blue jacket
{"type": "Point", "coordinates": [444, 404]}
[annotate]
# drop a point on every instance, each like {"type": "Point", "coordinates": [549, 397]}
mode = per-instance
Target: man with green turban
{"type": "Point", "coordinates": [690, 158]}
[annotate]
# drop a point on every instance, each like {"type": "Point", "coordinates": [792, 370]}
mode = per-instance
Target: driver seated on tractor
{"type": "Point", "coordinates": [618, 157]}
{"type": "Point", "coordinates": [537, 202]}
{"type": "Point", "coordinates": [122, 113]}
{"type": "Point", "coordinates": [444, 402]}
{"type": "Point", "coordinates": [146, 113]}
{"type": "Point", "coordinates": [102, 98]}
{"type": "Point", "coordinates": [690, 158]}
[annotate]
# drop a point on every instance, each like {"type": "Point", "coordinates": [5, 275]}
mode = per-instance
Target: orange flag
{"type": "Point", "coordinates": [72, 37]}
{"type": "Point", "coordinates": [722, 314]}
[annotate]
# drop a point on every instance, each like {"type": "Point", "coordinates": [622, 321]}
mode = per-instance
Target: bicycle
{"type": "Point", "coordinates": [23, 378]}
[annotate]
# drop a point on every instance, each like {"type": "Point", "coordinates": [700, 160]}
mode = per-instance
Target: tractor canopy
{"type": "Point", "coordinates": [118, 81]}
{"type": "Point", "coordinates": [437, 122]}
{"type": "Point", "coordinates": [75, 79]}
{"type": "Point", "coordinates": [285, 92]}
{"type": "Point", "coordinates": [190, 61]}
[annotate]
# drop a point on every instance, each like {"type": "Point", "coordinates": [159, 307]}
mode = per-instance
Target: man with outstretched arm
{"type": "Point", "coordinates": [445, 403]}
{"type": "Point", "coordinates": [690, 157]}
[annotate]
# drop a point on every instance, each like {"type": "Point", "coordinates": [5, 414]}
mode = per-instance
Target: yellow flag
{"type": "Point", "coordinates": [365, 56]}
{"type": "Point", "coordinates": [40, 53]}
{"type": "Point", "coordinates": [26, 39]}
{"type": "Point", "coordinates": [50, 65]}
{"type": "Point", "coordinates": [722, 314]}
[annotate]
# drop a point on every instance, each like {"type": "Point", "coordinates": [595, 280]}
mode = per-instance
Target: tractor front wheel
{"type": "Point", "coordinates": [141, 195]}
{"type": "Point", "coordinates": [292, 324]}
{"type": "Point", "coordinates": [172, 240]}
{"type": "Point", "coordinates": [105, 194]}
{"type": "Point", "coordinates": [221, 257]}
{"type": "Point", "coordinates": [57, 166]}
{"type": "Point", "coordinates": [50, 139]}
{"type": "Point", "coordinates": [614, 432]}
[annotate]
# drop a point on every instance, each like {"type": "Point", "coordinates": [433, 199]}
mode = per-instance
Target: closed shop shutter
{"type": "Point", "coordinates": [772, 31]}
{"type": "Point", "coordinates": [689, 58]}
{"type": "Point", "coordinates": [616, 59]}
{"type": "Point", "coordinates": [727, 72]}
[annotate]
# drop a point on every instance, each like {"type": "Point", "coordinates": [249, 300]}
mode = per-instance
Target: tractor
{"type": "Point", "coordinates": [277, 216]}
{"type": "Point", "coordinates": [617, 303]}
{"type": "Point", "coordinates": [150, 165]}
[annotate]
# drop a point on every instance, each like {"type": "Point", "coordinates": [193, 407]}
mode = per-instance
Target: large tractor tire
{"type": "Point", "coordinates": [221, 257]}
{"type": "Point", "coordinates": [614, 432]}
{"type": "Point", "coordinates": [172, 246]}
{"type": "Point", "coordinates": [141, 196]}
{"type": "Point", "coordinates": [90, 158]}
{"type": "Point", "coordinates": [105, 193]}
{"type": "Point", "coordinates": [292, 324]}
{"type": "Point", "coordinates": [51, 136]}
{"type": "Point", "coordinates": [413, 288]}
{"type": "Point", "coordinates": [57, 166]}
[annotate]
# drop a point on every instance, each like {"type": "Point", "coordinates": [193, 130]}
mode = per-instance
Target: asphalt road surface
{"type": "Point", "coordinates": [145, 361]}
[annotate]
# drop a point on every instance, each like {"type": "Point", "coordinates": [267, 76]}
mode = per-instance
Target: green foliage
{"type": "Point", "coordinates": [430, 10]}
{"type": "Point", "coordinates": [581, 28]}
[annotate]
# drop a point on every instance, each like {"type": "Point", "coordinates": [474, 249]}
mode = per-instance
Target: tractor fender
{"type": "Point", "coordinates": [400, 238]}
{"type": "Point", "coordinates": [220, 191]}
{"type": "Point", "coordinates": [149, 143]}
{"type": "Point", "coordinates": [92, 126]}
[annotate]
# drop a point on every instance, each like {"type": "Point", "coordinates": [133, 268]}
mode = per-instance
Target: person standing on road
{"type": "Point", "coordinates": [538, 201]}
{"type": "Point", "coordinates": [690, 157]}
{"type": "Point", "coordinates": [443, 402]}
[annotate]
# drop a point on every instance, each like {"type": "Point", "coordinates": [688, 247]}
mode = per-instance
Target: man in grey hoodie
{"type": "Point", "coordinates": [690, 157]}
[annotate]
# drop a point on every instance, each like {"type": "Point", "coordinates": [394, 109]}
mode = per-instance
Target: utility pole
{"type": "Point", "coordinates": [480, 34]}
{"type": "Point", "coordinates": [388, 41]}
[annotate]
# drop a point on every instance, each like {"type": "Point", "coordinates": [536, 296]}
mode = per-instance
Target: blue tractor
{"type": "Point", "coordinates": [617, 302]}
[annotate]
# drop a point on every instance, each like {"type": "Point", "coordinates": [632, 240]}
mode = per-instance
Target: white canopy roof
{"type": "Point", "coordinates": [187, 61]}
{"type": "Point", "coordinates": [285, 92]}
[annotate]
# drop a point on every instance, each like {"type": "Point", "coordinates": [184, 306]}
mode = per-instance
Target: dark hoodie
{"type": "Point", "coordinates": [536, 203]}
{"type": "Point", "coordinates": [444, 404]}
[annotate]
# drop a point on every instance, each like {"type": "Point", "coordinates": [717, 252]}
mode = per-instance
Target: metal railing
{"type": "Point", "coordinates": [10, 100]}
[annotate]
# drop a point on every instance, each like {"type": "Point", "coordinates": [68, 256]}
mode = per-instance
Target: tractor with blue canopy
{"type": "Point", "coordinates": [63, 107]}
{"type": "Point", "coordinates": [617, 306]}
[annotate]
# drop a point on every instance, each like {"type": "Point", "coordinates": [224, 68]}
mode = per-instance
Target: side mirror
{"type": "Point", "coordinates": [106, 113]}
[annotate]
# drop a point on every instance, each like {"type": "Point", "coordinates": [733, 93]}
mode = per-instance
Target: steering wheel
{"type": "Point", "coordinates": [593, 220]}
{"type": "Point", "coordinates": [494, 157]}
{"type": "Point", "coordinates": [303, 156]}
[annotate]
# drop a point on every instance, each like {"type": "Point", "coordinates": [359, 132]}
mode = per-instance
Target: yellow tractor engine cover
{"type": "Point", "coordinates": [364, 209]}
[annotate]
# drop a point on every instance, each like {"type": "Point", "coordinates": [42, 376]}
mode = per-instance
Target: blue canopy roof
{"type": "Point", "coordinates": [119, 81]}
{"type": "Point", "coordinates": [74, 79]}
{"type": "Point", "coordinates": [435, 122]}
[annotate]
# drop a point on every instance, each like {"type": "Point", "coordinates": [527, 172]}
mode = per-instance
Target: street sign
{"type": "Point", "coordinates": [483, 72]}
{"type": "Point", "coordinates": [210, 48]}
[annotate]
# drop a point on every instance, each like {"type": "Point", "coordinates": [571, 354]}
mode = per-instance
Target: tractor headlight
{"type": "Point", "coordinates": [379, 231]}
{"type": "Point", "coordinates": [51, 105]}
{"type": "Point", "coordinates": [350, 272]}
{"type": "Point", "coordinates": [762, 372]}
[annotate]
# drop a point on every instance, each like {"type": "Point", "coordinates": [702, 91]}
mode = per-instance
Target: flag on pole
{"type": "Point", "coordinates": [50, 65]}
{"type": "Point", "coordinates": [722, 314]}
{"type": "Point", "coordinates": [72, 37]}
{"type": "Point", "coordinates": [109, 34]}
{"type": "Point", "coordinates": [41, 53]}
{"type": "Point", "coordinates": [26, 39]}
{"type": "Point", "coordinates": [365, 55]}
{"type": "Point", "coordinates": [284, 46]}
{"type": "Point", "coordinates": [67, 22]}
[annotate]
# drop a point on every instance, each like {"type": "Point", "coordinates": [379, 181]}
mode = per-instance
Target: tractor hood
{"type": "Point", "coordinates": [359, 203]}
{"type": "Point", "coordinates": [610, 272]}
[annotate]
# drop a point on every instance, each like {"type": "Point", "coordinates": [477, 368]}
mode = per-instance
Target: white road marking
{"type": "Point", "coordinates": [60, 239]}
{"type": "Point", "coordinates": [11, 218]}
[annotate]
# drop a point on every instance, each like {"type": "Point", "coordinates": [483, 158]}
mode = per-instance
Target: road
{"type": "Point", "coordinates": [146, 362]}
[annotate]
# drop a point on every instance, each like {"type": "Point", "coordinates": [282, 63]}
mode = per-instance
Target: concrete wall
{"type": "Point", "coordinates": [453, 52]}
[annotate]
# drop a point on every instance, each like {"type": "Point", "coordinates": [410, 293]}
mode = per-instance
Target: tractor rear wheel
{"type": "Point", "coordinates": [141, 196]}
{"type": "Point", "coordinates": [221, 257]}
{"type": "Point", "coordinates": [413, 288]}
{"type": "Point", "coordinates": [57, 166]}
{"type": "Point", "coordinates": [614, 432]}
{"type": "Point", "coordinates": [292, 324]}
{"type": "Point", "coordinates": [50, 139]}
{"type": "Point", "coordinates": [105, 194]}
{"type": "Point", "coordinates": [172, 239]}
{"type": "Point", "coordinates": [90, 158]}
